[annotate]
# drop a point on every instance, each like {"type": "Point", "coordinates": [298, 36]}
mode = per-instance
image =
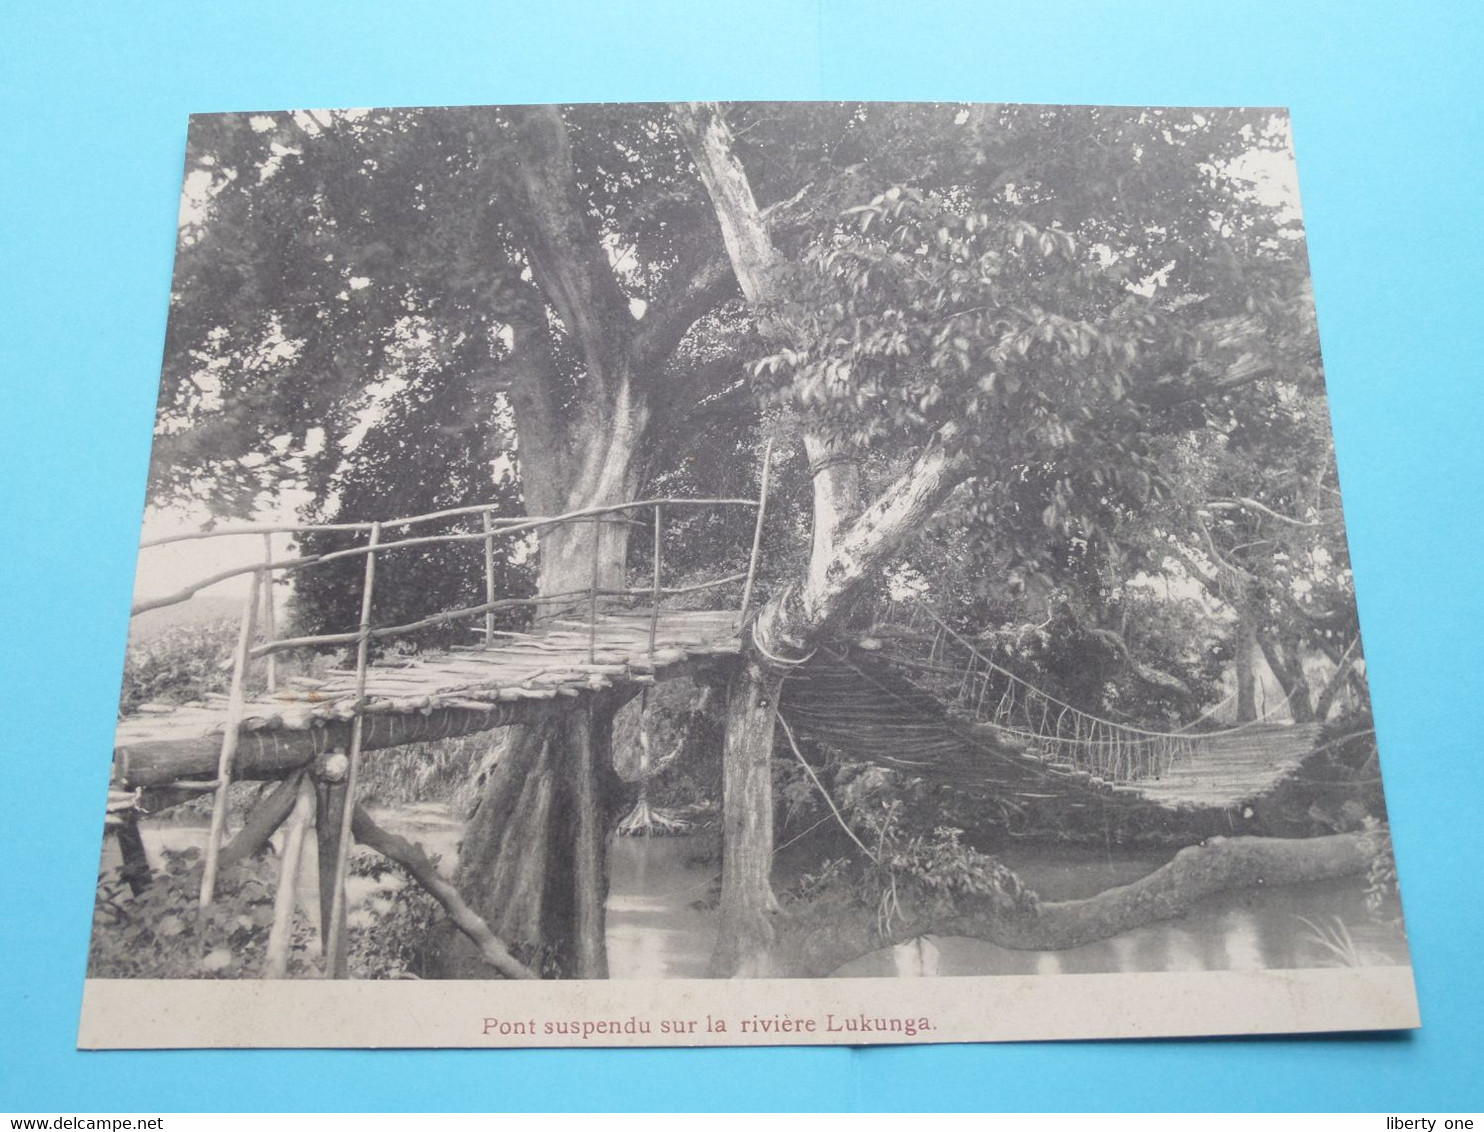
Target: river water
{"type": "Point", "coordinates": [662, 920]}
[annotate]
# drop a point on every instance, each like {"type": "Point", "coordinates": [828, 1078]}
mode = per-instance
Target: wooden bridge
{"type": "Point", "coordinates": [934, 704]}
{"type": "Point", "coordinates": [417, 699]}
{"type": "Point", "coordinates": [585, 642]}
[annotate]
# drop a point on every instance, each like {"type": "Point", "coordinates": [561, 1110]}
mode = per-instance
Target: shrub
{"type": "Point", "coordinates": [178, 664]}
{"type": "Point", "coordinates": [389, 939]}
{"type": "Point", "coordinates": [163, 933]}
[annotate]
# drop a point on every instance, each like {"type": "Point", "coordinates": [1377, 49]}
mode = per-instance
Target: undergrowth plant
{"type": "Point", "coordinates": [163, 933]}
{"type": "Point", "coordinates": [389, 939]}
{"type": "Point", "coordinates": [178, 664]}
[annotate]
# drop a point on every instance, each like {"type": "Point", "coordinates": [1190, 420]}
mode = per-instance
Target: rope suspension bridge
{"type": "Point", "coordinates": [923, 698]}
{"type": "Point", "coordinates": [934, 703]}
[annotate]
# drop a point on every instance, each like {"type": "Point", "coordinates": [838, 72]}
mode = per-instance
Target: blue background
{"type": "Point", "coordinates": [1385, 102]}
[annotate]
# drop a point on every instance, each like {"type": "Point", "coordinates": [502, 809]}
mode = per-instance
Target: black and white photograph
{"type": "Point", "coordinates": [742, 573]}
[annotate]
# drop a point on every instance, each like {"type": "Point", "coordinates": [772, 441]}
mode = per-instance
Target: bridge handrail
{"type": "Point", "coordinates": [512, 527]}
{"type": "Point", "coordinates": [1125, 728]}
{"type": "Point", "coordinates": [451, 615]}
{"type": "Point", "coordinates": [411, 520]}
{"type": "Point", "coordinates": [494, 527]}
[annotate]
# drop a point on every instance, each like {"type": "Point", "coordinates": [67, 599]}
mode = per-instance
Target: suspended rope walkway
{"type": "Point", "coordinates": [925, 699]}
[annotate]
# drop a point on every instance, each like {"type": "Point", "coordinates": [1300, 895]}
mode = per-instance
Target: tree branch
{"type": "Point", "coordinates": [1143, 671]}
{"type": "Point", "coordinates": [262, 821]}
{"type": "Point", "coordinates": [692, 288]}
{"type": "Point", "coordinates": [755, 261]}
{"type": "Point", "coordinates": [566, 257]}
{"type": "Point", "coordinates": [1254, 505]}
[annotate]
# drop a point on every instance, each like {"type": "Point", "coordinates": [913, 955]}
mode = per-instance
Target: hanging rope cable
{"type": "Point", "coordinates": [818, 785]}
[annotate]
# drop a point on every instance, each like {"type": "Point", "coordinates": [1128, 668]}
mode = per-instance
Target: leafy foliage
{"type": "Point", "coordinates": [909, 870]}
{"type": "Point", "coordinates": [424, 456]}
{"type": "Point", "coordinates": [178, 664]}
{"type": "Point", "coordinates": [1094, 305]}
{"type": "Point", "coordinates": [389, 939]}
{"type": "Point", "coordinates": [163, 933]}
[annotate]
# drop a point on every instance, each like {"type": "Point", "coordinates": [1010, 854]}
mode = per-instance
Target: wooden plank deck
{"type": "Point", "coordinates": [422, 698]}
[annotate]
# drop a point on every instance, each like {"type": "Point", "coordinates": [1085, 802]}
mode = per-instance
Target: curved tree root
{"type": "Point", "coordinates": [1216, 865]}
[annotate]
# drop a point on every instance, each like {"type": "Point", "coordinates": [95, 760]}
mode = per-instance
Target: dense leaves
{"type": "Point", "coordinates": [177, 665]}
{"type": "Point", "coordinates": [1103, 310]}
{"type": "Point", "coordinates": [163, 933]}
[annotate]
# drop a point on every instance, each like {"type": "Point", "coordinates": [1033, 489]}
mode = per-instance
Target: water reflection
{"type": "Point", "coordinates": [661, 923]}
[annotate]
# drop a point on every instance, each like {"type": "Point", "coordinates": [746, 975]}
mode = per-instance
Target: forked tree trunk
{"type": "Point", "coordinates": [849, 545]}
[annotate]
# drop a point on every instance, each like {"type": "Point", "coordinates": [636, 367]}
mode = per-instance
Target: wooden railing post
{"type": "Point", "coordinates": [342, 849]}
{"type": "Point", "coordinates": [654, 592]}
{"type": "Point", "coordinates": [280, 936]}
{"type": "Point", "coordinates": [489, 580]}
{"type": "Point", "coordinates": [270, 615]}
{"type": "Point", "coordinates": [231, 730]}
{"type": "Point", "coordinates": [592, 592]}
{"type": "Point", "coordinates": [757, 534]}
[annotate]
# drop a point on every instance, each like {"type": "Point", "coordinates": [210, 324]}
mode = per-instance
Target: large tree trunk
{"type": "Point", "coordinates": [1246, 643]}
{"type": "Point", "coordinates": [1017, 919]}
{"type": "Point", "coordinates": [575, 451]}
{"type": "Point", "coordinates": [849, 545]}
{"type": "Point", "coordinates": [533, 861]}
{"type": "Point", "coordinates": [745, 939]}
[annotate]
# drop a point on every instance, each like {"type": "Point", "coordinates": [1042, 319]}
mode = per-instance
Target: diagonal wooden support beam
{"type": "Point", "coordinates": [412, 858]}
